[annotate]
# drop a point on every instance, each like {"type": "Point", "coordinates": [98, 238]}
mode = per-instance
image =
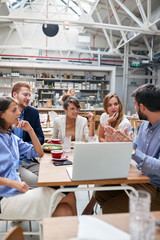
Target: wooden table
{"type": "Point", "coordinates": [64, 228]}
{"type": "Point", "coordinates": [50, 175]}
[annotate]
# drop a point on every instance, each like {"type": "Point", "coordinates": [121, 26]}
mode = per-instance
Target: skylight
{"type": "Point", "coordinates": [85, 5]}
{"type": "Point", "coordinates": [17, 3]}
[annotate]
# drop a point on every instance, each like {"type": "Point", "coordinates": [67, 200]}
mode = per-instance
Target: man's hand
{"type": "Point", "coordinates": [122, 136]}
{"type": "Point", "coordinates": [116, 135]}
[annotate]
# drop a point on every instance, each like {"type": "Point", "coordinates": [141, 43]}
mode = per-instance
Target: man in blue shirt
{"type": "Point", "coordinates": [146, 151]}
{"type": "Point", "coordinates": [28, 168]}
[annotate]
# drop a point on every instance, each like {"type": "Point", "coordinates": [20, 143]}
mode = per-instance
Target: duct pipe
{"type": "Point", "coordinates": [125, 77]}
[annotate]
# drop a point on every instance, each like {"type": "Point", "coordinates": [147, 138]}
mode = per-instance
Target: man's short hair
{"type": "Point", "coordinates": [149, 96]}
{"type": "Point", "coordinates": [17, 86]}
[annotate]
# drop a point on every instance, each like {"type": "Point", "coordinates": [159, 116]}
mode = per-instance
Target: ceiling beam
{"type": "Point", "coordinates": [92, 24]}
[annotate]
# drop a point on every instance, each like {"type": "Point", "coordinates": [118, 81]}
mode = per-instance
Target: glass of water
{"type": "Point", "coordinates": [142, 227]}
{"type": "Point", "coordinates": [67, 144]}
{"type": "Point", "coordinates": [93, 138]}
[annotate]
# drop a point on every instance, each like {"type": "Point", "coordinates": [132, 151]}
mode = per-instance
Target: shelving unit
{"type": "Point", "coordinates": [7, 82]}
{"type": "Point", "coordinates": [91, 83]}
{"type": "Point", "coordinates": [91, 87]}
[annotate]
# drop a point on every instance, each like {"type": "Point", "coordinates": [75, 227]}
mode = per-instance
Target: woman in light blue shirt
{"type": "Point", "coordinates": [32, 204]}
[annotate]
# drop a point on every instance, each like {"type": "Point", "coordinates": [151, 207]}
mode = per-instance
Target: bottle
{"type": "Point", "coordinates": [48, 122]}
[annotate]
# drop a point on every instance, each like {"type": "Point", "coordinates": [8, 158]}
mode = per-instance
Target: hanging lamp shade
{"type": "Point", "coordinates": [50, 30]}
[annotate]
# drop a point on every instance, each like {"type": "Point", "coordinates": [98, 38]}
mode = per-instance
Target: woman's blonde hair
{"type": "Point", "coordinates": [121, 111]}
{"type": "Point", "coordinates": [69, 91]}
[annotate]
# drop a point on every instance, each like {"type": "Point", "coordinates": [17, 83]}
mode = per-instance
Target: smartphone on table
{"type": "Point", "coordinates": [61, 163]}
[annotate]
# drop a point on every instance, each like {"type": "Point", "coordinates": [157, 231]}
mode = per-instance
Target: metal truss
{"type": "Point", "coordinates": [115, 23]}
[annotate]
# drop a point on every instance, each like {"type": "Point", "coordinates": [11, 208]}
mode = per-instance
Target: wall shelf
{"type": "Point", "coordinates": [87, 80]}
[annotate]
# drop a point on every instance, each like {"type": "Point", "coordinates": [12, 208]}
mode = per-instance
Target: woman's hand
{"type": "Point", "coordinates": [24, 125]}
{"type": "Point", "coordinates": [90, 116]}
{"type": "Point", "coordinates": [49, 141]}
{"type": "Point", "coordinates": [112, 119]}
{"type": "Point", "coordinates": [21, 186]}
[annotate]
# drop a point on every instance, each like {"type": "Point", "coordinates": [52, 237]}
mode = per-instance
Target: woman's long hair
{"type": "Point", "coordinates": [121, 111]}
{"type": "Point", "coordinates": [4, 105]}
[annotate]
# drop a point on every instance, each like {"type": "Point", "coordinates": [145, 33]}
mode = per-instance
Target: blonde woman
{"type": "Point", "coordinates": [71, 92]}
{"type": "Point", "coordinates": [113, 116]}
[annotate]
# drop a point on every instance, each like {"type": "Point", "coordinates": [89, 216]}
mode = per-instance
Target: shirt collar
{"type": "Point", "coordinates": [22, 113]}
{"type": "Point", "coordinates": [151, 127]}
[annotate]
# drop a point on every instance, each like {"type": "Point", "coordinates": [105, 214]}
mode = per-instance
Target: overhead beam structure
{"type": "Point", "coordinates": [114, 28]}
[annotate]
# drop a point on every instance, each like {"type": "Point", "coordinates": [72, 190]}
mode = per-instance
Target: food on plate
{"type": "Point", "coordinates": [50, 147]}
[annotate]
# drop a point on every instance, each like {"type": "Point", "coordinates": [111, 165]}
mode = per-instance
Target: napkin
{"type": "Point", "coordinates": [91, 228]}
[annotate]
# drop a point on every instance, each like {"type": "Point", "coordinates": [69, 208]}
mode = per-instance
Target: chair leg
{"type": "Point", "coordinates": [89, 196]}
{"type": "Point", "coordinates": [90, 206]}
{"type": "Point", "coordinates": [30, 226]}
{"type": "Point", "coordinates": [6, 226]}
{"type": "Point", "coordinates": [40, 230]}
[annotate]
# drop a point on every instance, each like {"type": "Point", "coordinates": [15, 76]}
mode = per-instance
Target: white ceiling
{"type": "Point", "coordinates": [105, 27]}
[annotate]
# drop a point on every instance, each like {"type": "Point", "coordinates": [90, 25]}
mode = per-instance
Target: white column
{"type": "Point", "coordinates": [125, 77]}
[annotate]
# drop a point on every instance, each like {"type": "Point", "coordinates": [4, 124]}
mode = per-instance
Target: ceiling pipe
{"type": "Point", "coordinates": [46, 36]}
{"type": "Point", "coordinates": [60, 58]}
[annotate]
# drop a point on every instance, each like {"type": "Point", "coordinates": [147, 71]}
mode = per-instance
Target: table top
{"type": "Point", "coordinates": [64, 228]}
{"type": "Point", "coordinates": [50, 175]}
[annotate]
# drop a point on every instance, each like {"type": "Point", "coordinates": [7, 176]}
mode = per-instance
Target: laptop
{"type": "Point", "coordinates": [95, 161]}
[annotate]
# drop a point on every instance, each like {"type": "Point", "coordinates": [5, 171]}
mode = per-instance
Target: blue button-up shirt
{"type": "Point", "coordinates": [147, 154]}
{"type": "Point", "coordinates": [11, 147]}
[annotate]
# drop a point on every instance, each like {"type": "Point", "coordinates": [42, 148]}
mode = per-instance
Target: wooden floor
{"type": "Point", "coordinates": [82, 200]}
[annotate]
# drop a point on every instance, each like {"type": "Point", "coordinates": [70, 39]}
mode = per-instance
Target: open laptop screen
{"type": "Point", "coordinates": [109, 160]}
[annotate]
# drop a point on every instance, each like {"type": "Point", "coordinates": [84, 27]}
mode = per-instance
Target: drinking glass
{"type": "Point", "coordinates": [67, 144]}
{"type": "Point", "coordinates": [142, 227]}
{"type": "Point", "coordinates": [92, 139]}
{"type": "Point", "coordinates": [139, 201]}
{"type": "Point", "coordinates": [141, 222]}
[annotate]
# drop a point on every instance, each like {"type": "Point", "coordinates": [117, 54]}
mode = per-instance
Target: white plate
{"type": "Point", "coordinates": [63, 158]}
{"type": "Point", "coordinates": [47, 129]}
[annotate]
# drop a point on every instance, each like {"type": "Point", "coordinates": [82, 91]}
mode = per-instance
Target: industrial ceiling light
{"type": "Point", "coordinates": [50, 30]}
{"type": "Point", "coordinates": [45, 25]}
{"type": "Point", "coordinates": [66, 26]}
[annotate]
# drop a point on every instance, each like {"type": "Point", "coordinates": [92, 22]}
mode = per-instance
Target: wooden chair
{"type": "Point", "coordinates": [135, 124]}
{"type": "Point", "coordinates": [30, 232]}
{"type": "Point", "coordinates": [15, 234]}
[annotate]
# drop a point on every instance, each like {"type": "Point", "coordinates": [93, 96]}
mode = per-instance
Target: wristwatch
{"type": "Point", "coordinates": [134, 149]}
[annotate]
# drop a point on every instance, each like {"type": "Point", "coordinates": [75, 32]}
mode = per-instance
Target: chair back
{"type": "Point", "coordinates": [135, 123]}
{"type": "Point", "coordinates": [15, 234]}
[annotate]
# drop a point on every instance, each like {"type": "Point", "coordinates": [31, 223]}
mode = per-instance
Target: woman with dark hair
{"type": "Point", "coordinates": [71, 123]}
{"type": "Point", "coordinates": [113, 116]}
{"type": "Point", "coordinates": [17, 201]}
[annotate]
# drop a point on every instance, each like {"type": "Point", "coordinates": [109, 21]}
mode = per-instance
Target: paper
{"type": "Point", "coordinates": [91, 228]}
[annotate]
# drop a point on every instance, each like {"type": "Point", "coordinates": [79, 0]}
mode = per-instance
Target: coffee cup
{"type": "Point", "coordinates": [55, 141]}
{"type": "Point", "coordinates": [57, 153]}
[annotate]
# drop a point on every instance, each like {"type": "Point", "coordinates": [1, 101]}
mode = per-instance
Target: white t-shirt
{"type": "Point", "coordinates": [123, 124]}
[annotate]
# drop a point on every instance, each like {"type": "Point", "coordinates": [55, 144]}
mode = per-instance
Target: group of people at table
{"type": "Point", "coordinates": [21, 138]}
